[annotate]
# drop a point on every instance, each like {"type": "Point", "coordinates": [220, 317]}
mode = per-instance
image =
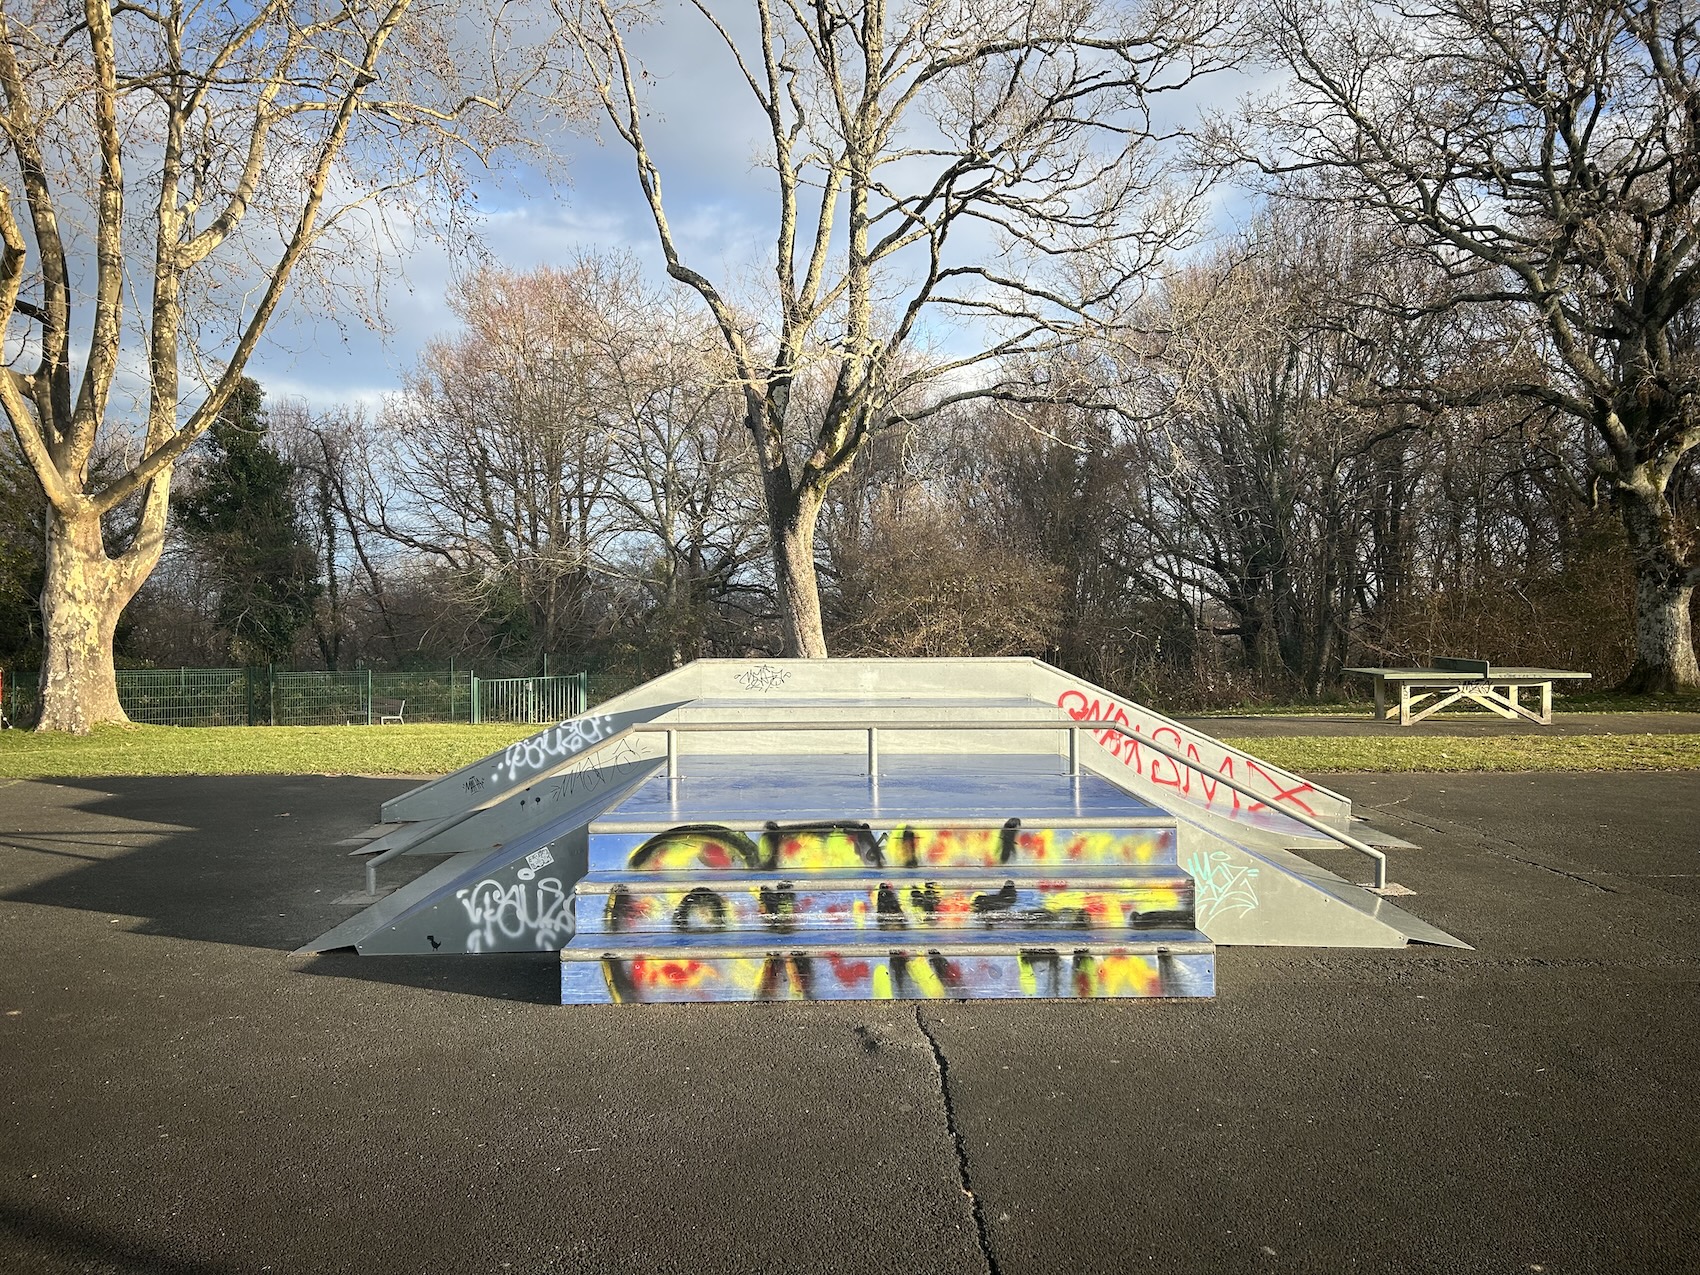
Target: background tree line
{"type": "Point", "coordinates": [1245, 511]}
{"type": "Point", "coordinates": [988, 390]}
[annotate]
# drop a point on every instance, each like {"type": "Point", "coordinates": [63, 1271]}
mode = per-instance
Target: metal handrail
{"type": "Point", "coordinates": [1309, 821]}
{"type": "Point", "coordinates": [872, 728]}
{"type": "Point", "coordinates": [1072, 727]}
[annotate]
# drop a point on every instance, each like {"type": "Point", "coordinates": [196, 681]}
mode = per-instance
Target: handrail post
{"type": "Point", "coordinates": [874, 753]}
{"type": "Point", "coordinates": [672, 753]}
{"type": "Point", "coordinates": [1074, 752]}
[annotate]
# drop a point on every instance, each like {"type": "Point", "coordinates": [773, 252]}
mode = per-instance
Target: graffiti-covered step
{"type": "Point", "coordinates": [709, 902]}
{"type": "Point", "coordinates": [848, 843]}
{"type": "Point", "coordinates": [859, 965]}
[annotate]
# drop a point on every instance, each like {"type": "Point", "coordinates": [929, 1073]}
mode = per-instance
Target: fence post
{"type": "Point", "coordinates": [472, 681]}
{"type": "Point", "coordinates": [583, 705]}
{"type": "Point", "coordinates": [368, 697]}
{"type": "Point", "coordinates": [271, 694]}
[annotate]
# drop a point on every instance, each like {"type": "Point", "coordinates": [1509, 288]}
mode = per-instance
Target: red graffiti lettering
{"type": "Point", "coordinates": [1124, 747]}
{"type": "Point", "coordinates": [1209, 786]}
{"type": "Point", "coordinates": [1282, 794]}
{"type": "Point", "coordinates": [1179, 777]}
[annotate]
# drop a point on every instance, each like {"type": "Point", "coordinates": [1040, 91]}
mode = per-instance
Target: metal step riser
{"type": "Point", "coordinates": [786, 908]}
{"type": "Point", "coordinates": [874, 975]}
{"type": "Point", "coordinates": [802, 850]}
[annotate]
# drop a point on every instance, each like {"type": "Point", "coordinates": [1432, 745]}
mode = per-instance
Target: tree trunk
{"type": "Point", "coordinates": [84, 594]}
{"type": "Point", "coordinates": [1664, 625]}
{"type": "Point", "coordinates": [798, 589]}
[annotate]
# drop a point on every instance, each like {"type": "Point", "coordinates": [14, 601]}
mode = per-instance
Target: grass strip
{"type": "Point", "coordinates": [1321, 754]}
{"type": "Point", "coordinates": [252, 750]}
{"type": "Point", "coordinates": [438, 749]}
{"type": "Point", "coordinates": [1563, 701]}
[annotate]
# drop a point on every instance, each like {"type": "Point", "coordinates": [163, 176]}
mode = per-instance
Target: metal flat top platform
{"type": "Point", "coordinates": [783, 702]}
{"type": "Point", "coordinates": [747, 791]}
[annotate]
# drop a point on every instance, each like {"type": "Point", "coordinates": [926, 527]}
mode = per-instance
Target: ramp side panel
{"type": "Point", "coordinates": [509, 899]}
{"type": "Point", "coordinates": [1172, 785]}
{"type": "Point", "coordinates": [517, 898]}
{"type": "Point", "coordinates": [350, 932]}
{"type": "Point", "coordinates": [612, 770]}
{"type": "Point", "coordinates": [1272, 898]}
{"type": "Point", "coordinates": [536, 757]}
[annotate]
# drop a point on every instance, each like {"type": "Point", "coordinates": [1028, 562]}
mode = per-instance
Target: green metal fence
{"type": "Point", "coordinates": [527, 699]}
{"type": "Point", "coordinates": [280, 697]}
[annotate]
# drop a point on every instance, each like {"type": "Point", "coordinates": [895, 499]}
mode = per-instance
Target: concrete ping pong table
{"type": "Point", "coordinates": [1495, 689]}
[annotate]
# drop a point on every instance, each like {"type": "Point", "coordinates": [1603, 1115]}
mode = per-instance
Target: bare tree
{"type": "Point", "coordinates": [504, 442]}
{"type": "Point", "coordinates": [197, 157]}
{"type": "Point", "coordinates": [1546, 155]}
{"type": "Point", "coordinates": [688, 496]}
{"type": "Point", "coordinates": [989, 167]}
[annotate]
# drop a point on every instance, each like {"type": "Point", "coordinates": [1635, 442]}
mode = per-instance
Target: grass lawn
{"type": "Point", "coordinates": [252, 750]}
{"type": "Point", "coordinates": [1309, 755]}
{"type": "Point", "coordinates": [1588, 700]}
{"type": "Point", "coordinates": [438, 749]}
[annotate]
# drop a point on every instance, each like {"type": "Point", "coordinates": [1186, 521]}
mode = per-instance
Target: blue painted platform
{"type": "Point", "coordinates": [748, 791]}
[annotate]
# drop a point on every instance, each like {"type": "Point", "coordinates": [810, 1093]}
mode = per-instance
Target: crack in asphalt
{"type": "Point", "coordinates": [1491, 844]}
{"type": "Point", "coordinates": [941, 1069]}
{"type": "Point", "coordinates": [1547, 867]}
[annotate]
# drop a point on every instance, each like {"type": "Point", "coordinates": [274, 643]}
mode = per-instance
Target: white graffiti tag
{"type": "Point", "coordinates": [517, 917]}
{"type": "Point", "coordinates": [1220, 887]}
{"type": "Point", "coordinates": [566, 740]}
{"type": "Point", "coordinates": [763, 677]}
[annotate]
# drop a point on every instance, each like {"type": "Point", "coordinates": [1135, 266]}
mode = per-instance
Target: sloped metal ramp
{"type": "Point", "coordinates": [516, 830]}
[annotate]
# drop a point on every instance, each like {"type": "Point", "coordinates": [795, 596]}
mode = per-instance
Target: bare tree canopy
{"type": "Point", "coordinates": [952, 186]}
{"type": "Point", "coordinates": [168, 170]}
{"type": "Point", "coordinates": [1546, 153]}
{"type": "Point", "coordinates": [577, 431]}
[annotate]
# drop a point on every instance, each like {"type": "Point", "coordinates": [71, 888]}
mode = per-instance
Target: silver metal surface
{"type": "Point", "coordinates": [747, 791]}
{"type": "Point", "coordinates": [1299, 816]}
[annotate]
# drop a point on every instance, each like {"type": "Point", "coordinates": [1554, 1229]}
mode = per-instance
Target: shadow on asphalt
{"type": "Point", "coordinates": [94, 1248]}
{"type": "Point", "coordinates": [531, 978]}
{"type": "Point", "coordinates": [250, 861]}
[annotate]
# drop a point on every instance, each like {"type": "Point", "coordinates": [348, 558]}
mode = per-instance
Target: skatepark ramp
{"type": "Point", "coordinates": [848, 829]}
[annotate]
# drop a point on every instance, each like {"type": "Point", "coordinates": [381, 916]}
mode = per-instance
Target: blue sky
{"type": "Point", "coordinates": [705, 137]}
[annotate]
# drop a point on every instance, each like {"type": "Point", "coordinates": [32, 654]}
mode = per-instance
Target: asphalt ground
{"type": "Point", "coordinates": [181, 1095]}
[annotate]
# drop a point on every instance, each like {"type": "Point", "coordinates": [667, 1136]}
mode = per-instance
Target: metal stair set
{"type": "Point", "coordinates": [922, 904]}
{"type": "Point", "coordinates": [871, 829]}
